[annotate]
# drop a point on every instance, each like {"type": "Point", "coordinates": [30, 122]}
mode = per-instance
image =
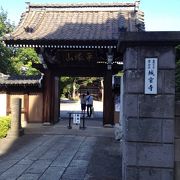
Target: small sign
{"type": "Point", "coordinates": [76, 118]}
{"type": "Point", "coordinates": [151, 75]}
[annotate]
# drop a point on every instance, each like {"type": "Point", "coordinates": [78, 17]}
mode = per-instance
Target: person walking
{"type": "Point", "coordinates": [89, 104]}
{"type": "Point", "coordinates": [83, 103]}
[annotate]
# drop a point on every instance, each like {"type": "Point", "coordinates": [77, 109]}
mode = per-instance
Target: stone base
{"type": "Point", "coordinates": [108, 125]}
{"type": "Point", "coordinates": [46, 124]}
{"type": "Point", "coordinates": [143, 173]}
{"type": "Point", "coordinates": [118, 132]}
{"type": "Point", "coordinates": [13, 133]}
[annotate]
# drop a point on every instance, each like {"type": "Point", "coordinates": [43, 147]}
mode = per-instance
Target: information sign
{"type": "Point", "coordinates": [151, 75]}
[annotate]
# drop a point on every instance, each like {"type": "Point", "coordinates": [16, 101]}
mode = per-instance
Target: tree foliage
{"type": "Point", "coordinates": [15, 60]}
{"type": "Point", "coordinates": [23, 59]}
{"type": "Point", "coordinates": [70, 85]}
{"type": "Point", "coordinates": [5, 25]}
{"type": "Point", "coordinates": [5, 59]}
{"type": "Point", "coordinates": [5, 123]}
{"type": "Point", "coordinates": [5, 53]}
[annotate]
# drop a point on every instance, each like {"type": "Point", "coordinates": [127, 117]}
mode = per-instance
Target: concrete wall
{"type": "Point", "coordinates": [148, 120]}
{"type": "Point", "coordinates": [3, 100]}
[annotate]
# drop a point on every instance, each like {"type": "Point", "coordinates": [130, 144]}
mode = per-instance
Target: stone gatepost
{"type": "Point", "coordinates": [148, 119]}
{"type": "Point", "coordinates": [177, 141]}
{"type": "Point", "coordinates": [16, 129]}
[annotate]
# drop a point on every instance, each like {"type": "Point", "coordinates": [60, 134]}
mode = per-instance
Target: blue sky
{"type": "Point", "coordinates": [160, 15]}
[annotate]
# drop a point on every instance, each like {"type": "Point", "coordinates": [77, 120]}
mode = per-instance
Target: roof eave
{"type": "Point", "coordinates": [61, 43]}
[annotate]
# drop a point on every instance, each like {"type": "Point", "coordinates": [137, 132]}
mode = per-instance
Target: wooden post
{"type": "Point", "coordinates": [55, 100]}
{"type": "Point", "coordinates": [26, 107]}
{"type": "Point", "coordinates": [47, 97]}
{"type": "Point", "coordinates": [51, 104]}
{"type": "Point", "coordinates": [108, 97]}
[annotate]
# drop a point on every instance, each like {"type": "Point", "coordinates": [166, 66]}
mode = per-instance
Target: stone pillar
{"type": "Point", "coordinates": [177, 141]}
{"type": "Point", "coordinates": [148, 131]}
{"type": "Point", "coordinates": [16, 129]}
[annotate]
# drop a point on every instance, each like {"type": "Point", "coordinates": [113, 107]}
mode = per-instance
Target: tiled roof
{"type": "Point", "coordinates": [19, 80]}
{"type": "Point", "coordinates": [79, 22]}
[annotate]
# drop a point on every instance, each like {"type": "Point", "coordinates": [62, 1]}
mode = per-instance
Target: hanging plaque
{"type": "Point", "coordinates": [151, 75]}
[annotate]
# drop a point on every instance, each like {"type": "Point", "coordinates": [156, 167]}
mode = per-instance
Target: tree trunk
{"type": "Point", "coordinates": [74, 89]}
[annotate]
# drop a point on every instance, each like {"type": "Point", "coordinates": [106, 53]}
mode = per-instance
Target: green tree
{"type": "Point", "coordinates": [5, 53]}
{"type": "Point", "coordinates": [15, 60]}
{"type": "Point", "coordinates": [5, 25]}
{"type": "Point", "coordinates": [23, 59]}
{"type": "Point", "coordinates": [70, 85]}
{"type": "Point", "coordinates": [5, 57]}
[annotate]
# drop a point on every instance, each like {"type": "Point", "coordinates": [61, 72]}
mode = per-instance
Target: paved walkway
{"type": "Point", "coordinates": [56, 152]}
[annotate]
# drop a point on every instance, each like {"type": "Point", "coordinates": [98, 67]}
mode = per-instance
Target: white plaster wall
{"type": "Point", "coordinates": [3, 101]}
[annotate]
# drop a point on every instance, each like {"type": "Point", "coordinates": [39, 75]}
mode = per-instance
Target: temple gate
{"type": "Point", "coordinates": [76, 40]}
{"type": "Point", "coordinates": [82, 40]}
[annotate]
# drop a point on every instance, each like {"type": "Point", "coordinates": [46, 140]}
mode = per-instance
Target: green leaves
{"type": "Point", "coordinates": [70, 85]}
{"type": "Point", "coordinates": [4, 125]}
{"type": "Point", "coordinates": [23, 59]}
{"type": "Point", "coordinates": [15, 60]}
{"type": "Point", "coordinates": [5, 59]}
{"type": "Point", "coordinates": [5, 25]}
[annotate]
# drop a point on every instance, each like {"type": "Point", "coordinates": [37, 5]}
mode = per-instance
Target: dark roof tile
{"type": "Point", "coordinates": [34, 80]}
{"type": "Point", "coordinates": [99, 21]}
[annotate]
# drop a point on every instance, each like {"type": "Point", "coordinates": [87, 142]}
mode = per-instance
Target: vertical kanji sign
{"type": "Point", "coordinates": [151, 75]}
{"type": "Point", "coordinates": [76, 118]}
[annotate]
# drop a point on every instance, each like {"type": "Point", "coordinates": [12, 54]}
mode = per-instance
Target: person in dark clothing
{"type": "Point", "coordinates": [89, 104]}
{"type": "Point", "coordinates": [83, 103]}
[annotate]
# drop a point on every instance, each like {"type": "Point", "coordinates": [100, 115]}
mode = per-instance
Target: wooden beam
{"type": "Point", "coordinates": [108, 117]}
{"type": "Point", "coordinates": [26, 107]}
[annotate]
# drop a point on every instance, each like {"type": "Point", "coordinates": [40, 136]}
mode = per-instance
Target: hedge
{"type": "Point", "coordinates": [5, 123]}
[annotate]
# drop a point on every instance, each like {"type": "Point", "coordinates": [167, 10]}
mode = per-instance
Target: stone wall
{"type": "Point", "coordinates": [148, 120]}
{"type": "Point", "coordinates": [177, 141]}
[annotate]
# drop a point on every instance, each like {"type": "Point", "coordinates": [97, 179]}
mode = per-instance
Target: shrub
{"type": "Point", "coordinates": [5, 122]}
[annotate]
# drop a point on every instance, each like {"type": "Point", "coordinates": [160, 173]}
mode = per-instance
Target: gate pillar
{"type": "Point", "coordinates": [108, 97]}
{"type": "Point", "coordinates": [148, 119]}
{"type": "Point", "coordinates": [50, 98]}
